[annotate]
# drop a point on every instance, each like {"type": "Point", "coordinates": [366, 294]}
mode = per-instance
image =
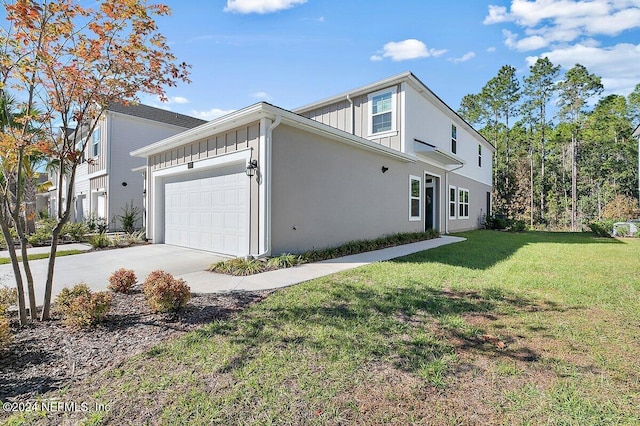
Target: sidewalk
{"type": "Point", "coordinates": [37, 250]}
{"type": "Point", "coordinates": [209, 282]}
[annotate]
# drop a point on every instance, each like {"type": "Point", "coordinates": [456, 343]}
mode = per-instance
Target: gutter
{"type": "Point", "coordinates": [264, 164]}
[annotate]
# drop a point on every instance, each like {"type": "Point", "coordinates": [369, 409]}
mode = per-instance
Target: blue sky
{"type": "Point", "coordinates": [293, 52]}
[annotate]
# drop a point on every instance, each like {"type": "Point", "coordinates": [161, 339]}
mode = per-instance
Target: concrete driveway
{"type": "Point", "coordinates": [94, 268]}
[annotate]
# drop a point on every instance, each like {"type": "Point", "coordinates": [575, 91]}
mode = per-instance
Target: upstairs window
{"type": "Point", "coordinates": [382, 107]}
{"type": "Point", "coordinates": [95, 143]}
{"type": "Point", "coordinates": [454, 139]}
{"type": "Point", "coordinates": [479, 155]}
{"type": "Point", "coordinates": [80, 150]}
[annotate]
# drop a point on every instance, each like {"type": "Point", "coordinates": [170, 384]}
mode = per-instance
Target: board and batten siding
{"type": "Point", "coordinates": [100, 182]}
{"type": "Point", "coordinates": [339, 115]}
{"type": "Point", "coordinates": [231, 141]}
{"type": "Point", "coordinates": [98, 163]}
{"type": "Point", "coordinates": [244, 137]}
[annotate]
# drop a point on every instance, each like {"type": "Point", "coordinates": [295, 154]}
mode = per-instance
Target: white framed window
{"type": "Point", "coordinates": [463, 203]}
{"type": "Point", "coordinates": [453, 199]}
{"type": "Point", "coordinates": [479, 155]}
{"type": "Point", "coordinates": [454, 139]}
{"type": "Point", "coordinates": [415, 198]}
{"type": "Point", "coordinates": [95, 142]}
{"type": "Point", "coordinates": [382, 111]}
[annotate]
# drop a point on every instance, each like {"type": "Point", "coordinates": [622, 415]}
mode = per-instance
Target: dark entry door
{"type": "Point", "coordinates": [429, 208]}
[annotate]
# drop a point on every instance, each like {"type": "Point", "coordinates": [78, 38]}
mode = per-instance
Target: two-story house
{"type": "Point", "coordinates": [105, 182]}
{"type": "Point", "coordinates": [385, 158]}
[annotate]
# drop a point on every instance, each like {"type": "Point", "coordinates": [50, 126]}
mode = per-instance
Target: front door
{"type": "Point", "coordinates": [431, 202]}
{"type": "Point", "coordinates": [429, 209]}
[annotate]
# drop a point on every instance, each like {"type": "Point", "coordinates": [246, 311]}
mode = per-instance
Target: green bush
{"type": "Point", "coordinates": [285, 260]}
{"type": "Point", "coordinates": [40, 237]}
{"type": "Point", "coordinates": [517, 225]}
{"type": "Point", "coordinates": [76, 231]}
{"type": "Point", "coordinates": [80, 307]}
{"type": "Point", "coordinates": [130, 215]}
{"type": "Point", "coordinates": [602, 228]}
{"type": "Point", "coordinates": [99, 240]}
{"type": "Point", "coordinates": [497, 221]}
{"type": "Point", "coordinates": [164, 293]}
{"type": "Point", "coordinates": [122, 280]}
{"type": "Point", "coordinates": [8, 297]}
{"type": "Point", "coordinates": [240, 266]}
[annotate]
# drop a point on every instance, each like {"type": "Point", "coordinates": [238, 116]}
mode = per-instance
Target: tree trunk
{"type": "Point", "coordinates": [574, 183]}
{"type": "Point", "coordinates": [30, 204]}
{"type": "Point", "coordinates": [22, 311]}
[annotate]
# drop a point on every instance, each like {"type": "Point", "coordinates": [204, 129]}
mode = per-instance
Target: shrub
{"type": "Point", "coordinates": [238, 266]}
{"type": "Point", "coordinates": [497, 221]}
{"type": "Point", "coordinates": [99, 240]}
{"type": "Point", "coordinates": [95, 223]}
{"type": "Point", "coordinates": [122, 280]}
{"type": "Point", "coordinates": [130, 215]}
{"type": "Point", "coordinates": [80, 307]}
{"type": "Point", "coordinates": [8, 297]}
{"type": "Point", "coordinates": [76, 231]}
{"type": "Point", "coordinates": [285, 260]}
{"type": "Point", "coordinates": [40, 237]}
{"type": "Point", "coordinates": [517, 225]}
{"type": "Point", "coordinates": [602, 228]}
{"type": "Point", "coordinates": [164, 293]}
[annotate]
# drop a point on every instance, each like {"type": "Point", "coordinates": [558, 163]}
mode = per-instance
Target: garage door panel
{"type": "Point", "coordinates": [209, 212]}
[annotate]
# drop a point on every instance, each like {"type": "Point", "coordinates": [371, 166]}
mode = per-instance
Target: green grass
{"type": "Point", "coordinates": [532, 328]}
{"type": "Point", "coordinates": [36, 256]}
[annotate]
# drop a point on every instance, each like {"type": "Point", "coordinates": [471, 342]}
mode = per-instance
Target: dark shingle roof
{"type": "Point", "coordinates": [157, 114]}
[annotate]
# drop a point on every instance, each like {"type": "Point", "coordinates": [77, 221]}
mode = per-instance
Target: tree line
{"type": "Point", "coordinates": [565, 155]}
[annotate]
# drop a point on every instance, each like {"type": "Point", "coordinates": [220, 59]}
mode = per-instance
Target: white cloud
{"type": "Point", "coordinates": [546, 22]}
{"type": "Point", "coordinates": [491, 49]}
{"type": "Point", "coordinates": [463, 58]}
{"type": "Point", "coordinates": [405, 50]}
{"type": "Point", "coordinates": [616, 65]}
{"type": "Point", "coordinates": [260, 6]}
{"type": "Point", "coordinates": [178, 100]}
{"type": "Point", "coordinates": [261, 95]}
{"type": "Point", "coordinates": [210, 114]}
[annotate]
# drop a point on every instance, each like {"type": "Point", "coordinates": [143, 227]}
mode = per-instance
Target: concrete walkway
{"type": "Point", "coordinates": [207, 282]}
{"type": "Point", "coordinates": [94, 268]}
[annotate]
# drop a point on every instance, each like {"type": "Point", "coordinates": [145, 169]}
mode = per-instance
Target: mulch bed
{"type": "Point", "coordinates": [46, 356]}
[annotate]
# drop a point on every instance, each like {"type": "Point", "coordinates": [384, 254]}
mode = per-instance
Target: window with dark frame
{"type": "Point", "coordinates": [454, 139]}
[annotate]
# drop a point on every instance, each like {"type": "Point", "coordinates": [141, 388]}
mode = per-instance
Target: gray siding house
{"type": "Point", "coordinates": [385, 158]}
{"type": "Point", "coordinates": [105, 181]}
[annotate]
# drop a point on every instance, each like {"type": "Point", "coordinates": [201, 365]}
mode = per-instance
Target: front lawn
{"type": "Point", "coordinates": [533, 328]}
{"type": "Point", "coordinates": [37, 256]}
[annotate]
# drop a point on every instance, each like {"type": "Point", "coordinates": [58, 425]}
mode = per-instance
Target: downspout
{"type": "Point", "coordinates": [353, 116]}
{"type": "Point", "coordinates": [446, 187]}
{"type": "Point", "coordinates": [264, 165]}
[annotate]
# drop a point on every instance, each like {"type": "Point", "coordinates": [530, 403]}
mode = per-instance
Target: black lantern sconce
{"type": "Point", "coordinates": [252, 166]}
{"type": "Point", "coordinates": [384, 169]}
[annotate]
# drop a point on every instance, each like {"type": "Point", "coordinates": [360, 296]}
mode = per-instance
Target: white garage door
{"type": "Point", "coordinates": [209, 213]}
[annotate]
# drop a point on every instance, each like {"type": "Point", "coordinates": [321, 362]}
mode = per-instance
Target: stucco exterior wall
{"type": "Point", "coordinates": [477, 203]}
{"type": "Point", "coordinates": [430, 124]}
{"type": "Point", "coordinates": [325, 193]}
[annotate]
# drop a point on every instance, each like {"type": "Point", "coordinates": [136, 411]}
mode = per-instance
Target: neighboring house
{"type": "Point", "coordinates": [105, 182]}
{"type": "Point", "coordinates": [385, 158]}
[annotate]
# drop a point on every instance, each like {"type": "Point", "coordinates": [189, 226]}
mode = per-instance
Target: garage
{"type": "Point", "coordinates": [208, 211]}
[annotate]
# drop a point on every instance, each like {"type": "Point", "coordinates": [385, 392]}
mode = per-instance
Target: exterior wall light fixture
{"type": "Point", "coordinates": [252, 166]}
{"type": "Point", "coordinates": [384, 169]}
